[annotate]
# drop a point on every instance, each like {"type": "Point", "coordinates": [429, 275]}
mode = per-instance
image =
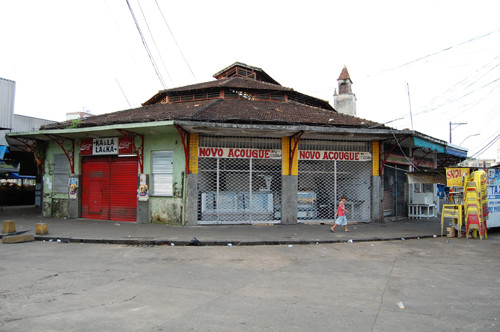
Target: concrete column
{"type": "Point", "coordinates": [143, 199]}
{"type": "Point", "coordinates": [376, 200]}
{"type": "Point", "coordinates": [74, 197]}
{"type": "Point", "coordinates": [289, 192]}
{"type": "Point", "coordinates": [192, 199]}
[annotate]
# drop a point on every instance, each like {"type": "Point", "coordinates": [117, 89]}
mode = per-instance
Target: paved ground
{"type": "Point", "coordinates": [304, 282]}
{"type": "Point", "coordinates": [443, 284]}
{"type": "Point", "coordinates": [98, 231]}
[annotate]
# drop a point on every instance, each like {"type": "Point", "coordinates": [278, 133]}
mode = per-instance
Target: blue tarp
{"type": "Point", "coordinates": [428, 145]}
{"type": "Point", "coordinates": [3, 150]}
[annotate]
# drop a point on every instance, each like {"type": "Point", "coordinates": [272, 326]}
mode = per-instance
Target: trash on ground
{"type": "Point", "coordinates": [194, 242]}
{"type": "Point", "coordinates": [401, 305]}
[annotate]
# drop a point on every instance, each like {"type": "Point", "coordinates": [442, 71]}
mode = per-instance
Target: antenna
{"type": "Point", "coordinates": [409, 103]}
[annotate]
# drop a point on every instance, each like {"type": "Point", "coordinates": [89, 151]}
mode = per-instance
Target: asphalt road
{"type": "Point", "coordinates": [444, 285]}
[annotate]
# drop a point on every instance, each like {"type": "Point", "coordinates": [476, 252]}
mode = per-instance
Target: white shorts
{"type": "Point", "coordinates": [341, 220]}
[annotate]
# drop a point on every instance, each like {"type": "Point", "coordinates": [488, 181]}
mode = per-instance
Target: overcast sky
{"type": "Point", "coordinates": [69, 56]}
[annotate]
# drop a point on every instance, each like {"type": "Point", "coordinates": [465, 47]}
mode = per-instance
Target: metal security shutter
{"type": "Point", "coordinates": [95, 188]}
{"type": "Point", "coordinates": [394, 191]}
{"type": "Point", "coordinates": [239, 190]}
{"type": "Point", "coordinates": [109, 188]}
{"type": "Point", "coordinates": [321, 183]}
{"type": "Point", "coordinates": [123, 189]}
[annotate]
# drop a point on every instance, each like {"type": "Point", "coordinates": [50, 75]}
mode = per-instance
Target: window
{"type": "Point", "coordinates": [61, 173]}
{"type": "Point", "coordinates": [162, 173]}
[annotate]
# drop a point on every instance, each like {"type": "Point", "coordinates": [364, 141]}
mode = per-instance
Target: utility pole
{"type": "Point", "coordinates": [456, 124]}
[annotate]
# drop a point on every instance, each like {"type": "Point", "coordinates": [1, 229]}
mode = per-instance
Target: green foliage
{"type": "Point", "coordinates": [74, 123]}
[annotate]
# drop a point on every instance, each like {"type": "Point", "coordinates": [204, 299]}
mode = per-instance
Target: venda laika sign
{"type": "Point", "coordinates": [239, 153]}
{"type": "Point", "coordinates": [334, 155]}
{"type": "Point", "coordinates": [106, 146]}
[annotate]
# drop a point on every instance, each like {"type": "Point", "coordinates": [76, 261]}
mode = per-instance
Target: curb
{"type": "Point", "coordinates": [132, 242]}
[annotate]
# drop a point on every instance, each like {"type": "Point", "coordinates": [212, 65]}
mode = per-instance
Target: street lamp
{"type": "Point", "coordinates": [456, 124]}
{"type": "Point", "coordinates": [468, 137]}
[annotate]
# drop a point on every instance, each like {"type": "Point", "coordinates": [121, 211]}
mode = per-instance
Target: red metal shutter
{"type": "Point", "coordinates": [95, 188]}
{"type": "Point", "coordinates": [123, 189]}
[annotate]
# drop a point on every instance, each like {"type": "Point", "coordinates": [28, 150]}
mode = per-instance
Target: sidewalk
{"type": "Point", "coordinates": [129, 233]}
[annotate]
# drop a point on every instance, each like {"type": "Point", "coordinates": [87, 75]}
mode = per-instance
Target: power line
{"type": "Point", "coordinates": [123, 93]}
{"type": "Point", "coordinates": [175, 40]}
{"type": "Point", "coordinates": [441, 51]}
{"type": "Point", "coordinates": [487, 146]}
{"type": "Point", "coordinates": [160, 78]}
{"type": "Point", "coordinates": [154, 43]}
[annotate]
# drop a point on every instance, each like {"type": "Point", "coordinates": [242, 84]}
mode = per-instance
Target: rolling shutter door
{"type": "Point", "coordinates": [95, 188]}
{"type": "Point", "coordinates": [123, 189]}
{"type": "Point", "coordinates": [109, 188]}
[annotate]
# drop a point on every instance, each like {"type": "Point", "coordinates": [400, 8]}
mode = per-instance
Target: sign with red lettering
{"type": "Point", "coordinates": [455, 176]}
{"type": "Point", "coordinates": [239, 153]}
{"type": "Point", "coordinates": [334, 155]}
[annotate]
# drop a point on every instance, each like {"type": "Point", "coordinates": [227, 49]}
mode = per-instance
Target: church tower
{"type": "Point", "coordinates": [345, 100]}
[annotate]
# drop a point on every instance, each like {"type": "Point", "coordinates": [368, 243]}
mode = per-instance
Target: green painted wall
{"type": "Point", "coordinates": [167, 209]}
{"type": "Point", "coordinates": [163, 209]}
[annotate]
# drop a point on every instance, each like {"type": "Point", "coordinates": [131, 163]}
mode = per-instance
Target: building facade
{"type": "Point", "coordinates": [241, 149]}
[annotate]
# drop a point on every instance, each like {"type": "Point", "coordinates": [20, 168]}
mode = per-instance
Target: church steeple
{"type": "Point", "coordinates": [345, 100]}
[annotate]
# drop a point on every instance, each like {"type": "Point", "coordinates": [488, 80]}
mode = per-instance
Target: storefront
{"type": "Point", "coordinates": [329, 170]}
{"type": "Point", "coordinates": [240, 180]}
{"type": "Point", "coordinates": [241, 149]}
{"type": "Point", "coordinates": [109, 188]}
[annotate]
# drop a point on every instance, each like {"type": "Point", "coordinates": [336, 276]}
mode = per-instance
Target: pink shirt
{"type": "Point", "coordinates": [341, 209]}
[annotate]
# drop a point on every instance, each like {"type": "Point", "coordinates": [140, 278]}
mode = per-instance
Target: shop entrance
{"type": "Point", "coordinates": [329, 170]}
{"type": "Point", "coordinates": [109, 188]}
{"type": "Point", "coordinates": [239, 180]}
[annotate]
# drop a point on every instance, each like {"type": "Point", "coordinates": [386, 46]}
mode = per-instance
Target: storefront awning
{"type": "Point", "coordinates": [17, 176]}
{"type": "Point", "coordinates": [456, 152]}
{"type": "Point", "coordinates": [427, 145]}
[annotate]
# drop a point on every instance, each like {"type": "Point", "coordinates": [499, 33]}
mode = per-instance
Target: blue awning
{"type": "Point", "coordinates": [456, 152]}
{"type": "Point", "coordinates": [3, 150]}
{"type": "Point", "coordinates": [17, 176]}
{"type": "Point", "coordinates": [427, 145]}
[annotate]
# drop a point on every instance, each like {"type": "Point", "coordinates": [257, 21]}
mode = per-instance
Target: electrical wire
{"type": "Point", "coordinates": [487, 146]}
{"type": "Point", "coordinates": [154, 43]}
{"type": "Point", "coordinates": [158, 74]}
{"type": "Point", "coordinates": [443, 50]}
{"type": "Point", "coordinates": [175, 40]}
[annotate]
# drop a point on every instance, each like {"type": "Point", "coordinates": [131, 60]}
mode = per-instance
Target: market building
{"type": "Point", "coordinates": [241, 149]}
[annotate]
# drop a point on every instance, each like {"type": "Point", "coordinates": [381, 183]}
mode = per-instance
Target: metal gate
{"type": "Point", "coordinates": [239, 180]}
{"type": "Point", "coordinates": [394, 191]}
{"type": "Point", "coordinates": [327, 171]}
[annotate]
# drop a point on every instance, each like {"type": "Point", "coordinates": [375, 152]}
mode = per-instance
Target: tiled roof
{"type": "Point", "coordinates": [344, 75]}
{"type": "Point", "coordinates": [226, 111]}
